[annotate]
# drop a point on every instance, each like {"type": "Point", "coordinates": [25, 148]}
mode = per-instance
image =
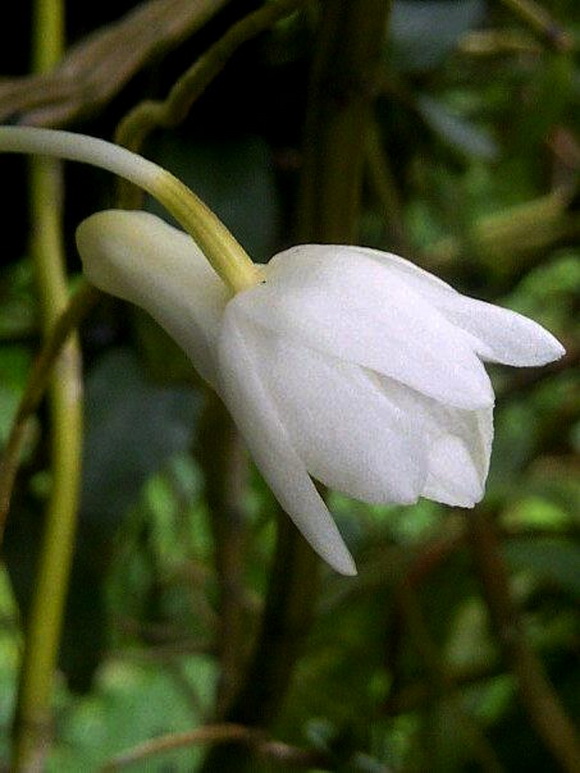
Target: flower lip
{"type": "Point", "coordinates": [337, 438]}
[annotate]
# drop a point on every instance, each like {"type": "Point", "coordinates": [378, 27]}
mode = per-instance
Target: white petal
{"type": "Point", "coordinates": [452, 478]}
{"type": "Point", "coordinates": [505, 336]}
{"type": "Point", "coordinates": [257, 417]}
{"type": "Point", "coordinates": [338, 300]}
{"type": "Point", "coordinates": [458, 444]}
{"type": "Point", "coordinates": [422, 281]}
{"type": "Point", "coordinates": [140, 258]}
{"type": "Point", "coordinates": [350, 434]}
{"type": "Point", "coordinates": [459, 460]}
{"type": "Point", "coordinates": [502, 335]}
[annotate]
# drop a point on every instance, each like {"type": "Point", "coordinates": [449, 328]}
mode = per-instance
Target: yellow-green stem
{"type": "Point", "coordinates": [43, 632]}
{"type": "Point", "coordinates": [223, 252]}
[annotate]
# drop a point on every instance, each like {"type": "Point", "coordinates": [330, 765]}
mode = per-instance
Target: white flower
{"type": "Point", "coordinates": [349, 365]}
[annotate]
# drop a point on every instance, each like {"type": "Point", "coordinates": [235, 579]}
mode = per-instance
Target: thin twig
{"type": "Point", "coordinates": [275, 751]}
{"type": "Point", "coordinates": [209, 734]}
{"type": "Point", "coordinates": [537, 695]}
{"type": "Point", "coordinates": [538, 19]}
{"type": "Point", "coordinates": [148, 115]}
{"type": "Point", "coordinates": [440, 680]}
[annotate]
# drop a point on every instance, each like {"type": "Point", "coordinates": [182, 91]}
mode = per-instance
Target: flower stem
{"type": "Point", "coordinates": [33, 710]}
{"type": "Point", "coordinates": [224, 253]}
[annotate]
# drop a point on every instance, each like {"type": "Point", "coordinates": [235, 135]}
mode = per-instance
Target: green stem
{"type": "Point", "coordinates": [286, 621]}
{"type": "Point", "coordinates": [150, 114]}
{"type": "Point", "coordinates": [345, 79]}
{"type": "Point", "coordinates": [382, 183]}
{"type": "Point", "coordinates": [33, 710]}
{"type": "Point", "coordinates": [442, 687]}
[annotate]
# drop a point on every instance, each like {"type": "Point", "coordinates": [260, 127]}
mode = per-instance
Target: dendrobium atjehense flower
{"type": "Point", "coordinates": [347, 365]}
{"type": "Point", "coordinates": [341, 364]}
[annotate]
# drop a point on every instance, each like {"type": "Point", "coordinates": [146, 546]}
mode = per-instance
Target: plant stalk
{"type": "Point", "coordinates": [44, 626]}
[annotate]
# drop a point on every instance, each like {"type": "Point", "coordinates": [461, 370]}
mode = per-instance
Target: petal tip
{"type": "Point", "coordinates": [336, 555]}
{"type": "Point", "coordinates": [344, 564]}
{"type": "Point", "coordinates": [559, 351]}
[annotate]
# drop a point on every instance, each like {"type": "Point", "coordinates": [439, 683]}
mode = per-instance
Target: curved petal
{"type": "Point", "coordinates": [457, 442]}
{"type": "Point", "coordinates": [249, 401]}
{"type": "Point", "coordinates": [504, 335]}
{"type": "Point", "coordinates": [501, 335]}
{"type": "Point", "coordinates": [350, 434]}
{"type": "Point", "coordinates": [140, 258]}
{"type": "Point", "coordinates": [339, 301]}
{"type": "Point", "coordinates": [459, 459]}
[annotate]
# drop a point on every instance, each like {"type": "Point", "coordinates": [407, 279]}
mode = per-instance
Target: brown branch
{"type": "Point", "coordinates": [224, 466]}
{"type": "Point", "coordinates": [100, 65]}
{"type": "Point", "coordinates": [538, 19]}
{"type": "Point", "coordinates": [537, 695]}
{"type": "Point", "coordinates": [438, 677]}
{"type": "Point", "coordinates": [209, 734]}
{"type": "Point", "coordinates": [275, 751]}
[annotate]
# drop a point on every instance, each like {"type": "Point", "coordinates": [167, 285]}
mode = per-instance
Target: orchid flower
{"type": "Point", "coordinates": [345, 365]}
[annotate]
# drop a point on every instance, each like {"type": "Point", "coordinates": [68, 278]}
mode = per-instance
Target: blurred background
{"type": "Point", "coordinates": [457, 646]}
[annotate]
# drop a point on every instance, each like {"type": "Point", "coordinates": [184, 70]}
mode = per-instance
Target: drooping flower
{"type": "Point", "coordinates": [347, 365]}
